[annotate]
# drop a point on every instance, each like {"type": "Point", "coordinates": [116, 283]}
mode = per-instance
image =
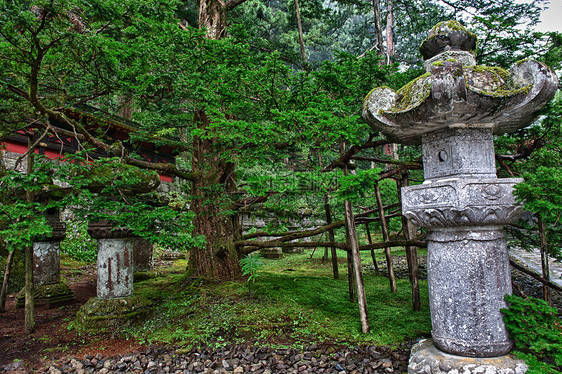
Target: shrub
{"type": "Point", "coordinates": [537, 333]}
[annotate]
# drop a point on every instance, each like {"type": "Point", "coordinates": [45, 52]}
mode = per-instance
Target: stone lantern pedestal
{"type": "Point", "coordinates": [454, 111]}
{"type": "Point", "coordinates": [115, 305]}
{"type": "Point", "coordinates": [49, 289]}
{"type": "Point", "coordinates": [143, 259]}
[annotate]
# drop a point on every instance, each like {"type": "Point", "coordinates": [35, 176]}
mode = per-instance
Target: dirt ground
{"type": "Point", "coordinates": [52, 338]}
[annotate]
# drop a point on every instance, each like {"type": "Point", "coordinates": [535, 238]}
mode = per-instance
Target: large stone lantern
{"type": "Point", "coordinates": [454, 110]}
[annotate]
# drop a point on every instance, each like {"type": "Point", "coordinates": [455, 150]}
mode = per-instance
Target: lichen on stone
{"type": "Point", "coordinates": [492, 81]}
{"type": "Point", "coordinates": [413, 94]}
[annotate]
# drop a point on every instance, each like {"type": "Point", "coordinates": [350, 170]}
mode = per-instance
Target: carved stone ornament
{"type": "Point", "coordinates": [461, 202]}
{"type": "Point", "coordinates": [455, 90]}
{"type": "Point", "coordinates": [103, 230]}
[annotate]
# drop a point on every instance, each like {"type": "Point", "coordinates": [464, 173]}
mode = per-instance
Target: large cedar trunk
{"type": "Point", "coordinates": [215, 219]}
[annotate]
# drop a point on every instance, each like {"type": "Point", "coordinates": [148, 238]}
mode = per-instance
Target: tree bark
{"type": "Point", "coordinates": [29, 308]}
{"type": "Point", "coordinates": [331, 236]}
{"type": "Point", "coordinates": [389, 30]}
{"type": "Point", "coordinates": [4, 290]}
{"type": "Point", "coordinates": [411, 252]}
{"type": "Point", "coordinates": [361, 297]}
{"type": "Point", "coordinates": [544, 257]}
{"type": "Point", "coordinates": [212, 18]}
{"type": "Point", "coordinates": [299, 27]}
{"type": "Point", "coordinates": [218, 258]}
{"type": "Point", "coordinates": [386, 237]}
{"type": "Point", "coordinates": [378, 27]}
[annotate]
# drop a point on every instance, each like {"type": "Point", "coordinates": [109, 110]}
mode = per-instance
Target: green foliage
{"type": "Point", "coordinates": [250, 265]}
{"type": "Point", "coordinates": [536, 331]}
{"type": "Point", "coordinates": [78, 245]}
{"type": "Point", "coordinates": [24, 204]}
{"type": "Point", "coordinates": [540, 164]}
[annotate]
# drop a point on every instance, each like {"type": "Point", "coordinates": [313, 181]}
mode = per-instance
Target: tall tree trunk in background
{"type": "Point", "coordinates": [378, 27]}
{"type": "Point", "coordinates": [299, 27]}
{"type": "Point", "coordinates": [386, 237]}
{"type": "Point", "coordinates": [29, 308]}
{"type": "Point", "coordinates": [10, 258]}
{"type": "Point", "coordinates": [544, 258]}
{"type": "Point", "coordinates": [411, 251]}
{"type": "Point", "coordinates": [217, 258]}
{"type": "Point", "coordinates": [212, 18]}
{"type": "Point", "coordinates": [5, 281]}
{"type": "Point", "coordinates": [389, 30]}
{"type": "Point", "coordinates": [126, 110]}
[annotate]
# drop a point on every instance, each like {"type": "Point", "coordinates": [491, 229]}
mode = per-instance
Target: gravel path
{"type": "Point", "coordinates": [325, 358]}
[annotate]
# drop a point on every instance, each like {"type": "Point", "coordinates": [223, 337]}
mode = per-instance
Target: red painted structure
{"type": "Point", "coordinates": [114, 128]}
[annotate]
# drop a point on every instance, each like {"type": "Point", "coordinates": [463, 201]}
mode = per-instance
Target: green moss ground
{"type": "Point", "coordinates": [293, 301]}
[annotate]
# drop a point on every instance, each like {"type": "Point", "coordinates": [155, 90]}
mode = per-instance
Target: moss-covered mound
{"type": "Point", "coordinates": [48, 294]}
{"type": "Point", "coordinates": [112, 313]}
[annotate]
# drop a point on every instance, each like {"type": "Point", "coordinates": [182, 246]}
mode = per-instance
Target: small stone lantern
{"type": "Point", "coordinates": [116, 305]}
{"type": "Point", "coordinates": [48, 288]}
{"type": "Point", "coordinates": [454, 110]}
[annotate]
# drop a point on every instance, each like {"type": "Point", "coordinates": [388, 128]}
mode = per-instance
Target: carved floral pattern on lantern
{"type": "Point", "coordinates": [492, 191]}
{"type": "Point", "coordinates": [439, 195]}
{"type": "Point", "coordinates": [469, 216]}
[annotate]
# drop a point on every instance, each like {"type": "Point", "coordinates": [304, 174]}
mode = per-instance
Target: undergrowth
{"type": "Point", "coordinates": [294, 302]}
{"type": "Point", "coordinates": [537, 333]}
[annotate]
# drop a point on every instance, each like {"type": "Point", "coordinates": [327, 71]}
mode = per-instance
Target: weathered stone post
{"type": "Point", "coordinates": [454, 110]}
{"type": "Point", "coordinates": [115, 260]}
{"type": "Point", "coordinates": [115, 304]}
{"type": "Point", "coordinates": [49, 289]}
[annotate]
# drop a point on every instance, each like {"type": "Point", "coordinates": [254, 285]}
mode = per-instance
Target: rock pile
{"type": "Point", "coordinates": [238, 359]}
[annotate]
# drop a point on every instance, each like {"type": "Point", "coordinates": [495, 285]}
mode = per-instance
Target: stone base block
{"type": "Point", "coordinates": [426, 358]}
{"type": "Point", "coordinates": [172, 256]}
{"type": "Point", "coordinates": [143, 275]}
{"type": "Point", "coordinates": [112, 314]}
{"type": "Point", "coordinates": [271, 253]}
{"type": "Point", "coordinates": [293, 250]}
{"type": "Point", "coordinates": [48, 294]}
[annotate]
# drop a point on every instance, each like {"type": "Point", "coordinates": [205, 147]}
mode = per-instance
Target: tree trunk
{"type": "Point", "coordinates": [331, 236]}
{"type": "Point", "coordinates": [361, 297]}
{"type": "Point", "coordinates": [378, 27]}
{"type": "Point", "coordinates": [299, 27]}
{"type": "Point", "coordinates": [218, 258]}
{"type": "Point", "coordinates": [389, 30]}
{"type": "Point", "coordinates": [212, 18]}
{"type": "Point", "coordinates": [29, 286]}
{"type": "Point", "coordinates": [4, 290]}
{"type": "Point", "coordinates": [411, 251]}
{"type": "Point", "coordinates": [386, 237]}
{"type": "Point", "coordinates": [544, 258]}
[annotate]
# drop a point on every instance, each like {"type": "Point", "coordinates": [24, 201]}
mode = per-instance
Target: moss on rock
{"type": "Point", "coordinates": [47, 294]}
{"type": "Point", "coordinates": [108, 314]}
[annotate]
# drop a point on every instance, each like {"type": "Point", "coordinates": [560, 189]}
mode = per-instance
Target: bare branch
{"type": "Point", "coordinates": [252, 246]}
{"type": "Point", "coordinates": [346, 157]}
